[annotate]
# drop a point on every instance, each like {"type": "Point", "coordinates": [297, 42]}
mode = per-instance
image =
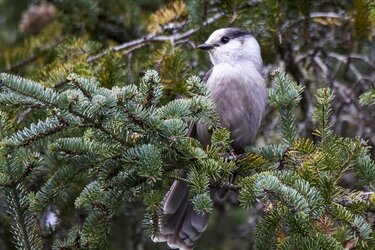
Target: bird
{"type": "Point", "coordinates": [236, 85]}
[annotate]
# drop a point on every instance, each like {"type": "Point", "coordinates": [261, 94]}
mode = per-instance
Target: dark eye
{"type": "Point", "coordinates": [224, 39]}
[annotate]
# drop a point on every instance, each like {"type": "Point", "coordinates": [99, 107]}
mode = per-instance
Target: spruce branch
{"type": "Point", "coordinates": [25, 228]}
{"type": "Point", "coordinates": [358, 224]}
{"type": "Point", "coordinates": [83, 146]}
{"type": "Point", "coordinates": [131, 142]}
{"type": "Point", "coordinates": [42, 129]}
{"type": "Point", "coordinates": [317, 241]}
{"type": "Point", "coordinates": [25, 225]}
{"type": "Point", "coordinates": [90, 122]}
{"type": "Point", "coordinates": [322, 112]}
{"type": "Point", "coordinates": [284, 186]}
{"type": "Point", "coordinates": [29, 88]}
{"type": "Point", "coordinates": [150, 89]}
{"type": "Point", "coordinates": [10, 99]}
{"type": "Point", "coordinates": [285, 95]}
{"type": "Point", "coordinates": [267, 230]}
{"type": "Point", "coordinates": [364, 168]}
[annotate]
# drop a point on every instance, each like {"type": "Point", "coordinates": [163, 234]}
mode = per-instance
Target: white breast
{"type": "Point", "coordinates": [239, 93]}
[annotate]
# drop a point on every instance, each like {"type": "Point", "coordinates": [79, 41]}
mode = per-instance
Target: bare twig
{"type": "Point", "coordinates": [325, 15]}
{"type": "Point", "coordinates": [363, 197]}
{"type": "Point", "coordinates": [175, 38]}
{"type": "Point", "coordinates": [22, 116]}
{"type": "Point", "coordinates": [347, 61]}
{"type": "Point", "coordinates": [363, 58]}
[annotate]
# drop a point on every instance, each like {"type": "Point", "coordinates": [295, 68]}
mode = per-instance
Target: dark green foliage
{"type": "Point", "coordinates": [286, 95]}
{"type": "Point", "coordinates": [268, 230]}
{"type": "Point", "coordinates": [300, 198]}
{"type": "Point", "coordinates": [318, 241]}
{"type": "Point", "coordinates": [25, 226]}
{"type": "Point", "coordinates": [173, 66]}
{"type": "Point", "coordinates": [128, 143]}
{"type": "Point", "coordinates": [322, 113]}
{"type": "Point", "coordinates": [368, 97]}
{"type": "Point", "coordinates": [80, 135]}
{"type": "Point", "coordinates": [25, 229]}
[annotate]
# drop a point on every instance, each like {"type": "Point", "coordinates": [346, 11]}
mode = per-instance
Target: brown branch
{"type": "Point", "coordinates": [347, 60]}
{"type": "Point", "coordinates": [24, 113]}
{"type": "Point", "coordinates": [363, 58]}
{"type": "Point", "coordinates": [150, 38]}
{"type": "Point", "coordinates": [326, 15]}
{"type": "Point", "coordinates": [346, 200]}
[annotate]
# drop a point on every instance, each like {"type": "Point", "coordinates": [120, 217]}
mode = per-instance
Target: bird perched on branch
{"type": "Point", "coordinates": [237, 87]}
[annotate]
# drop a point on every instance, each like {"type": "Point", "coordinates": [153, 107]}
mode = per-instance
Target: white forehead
{"type": "Point", "coordinates": [216, 35]}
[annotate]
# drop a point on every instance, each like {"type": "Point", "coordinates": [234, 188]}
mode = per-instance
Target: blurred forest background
{"type": "Point", "coordinates": [321, 43]}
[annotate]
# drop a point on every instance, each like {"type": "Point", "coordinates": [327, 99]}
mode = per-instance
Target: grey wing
{"type": "Point", "coordinates": [180, 225]}
{"type": "Point", "coordinates": [192, 131]}
{"type": "Point", "coordinates": [207, 75]}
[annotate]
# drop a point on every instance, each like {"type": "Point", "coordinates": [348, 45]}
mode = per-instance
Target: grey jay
{"type": "Point", "coordinates": [237, 87]}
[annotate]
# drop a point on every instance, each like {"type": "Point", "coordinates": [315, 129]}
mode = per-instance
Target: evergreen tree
{"type": "Point", "coordinates": [91, 138]}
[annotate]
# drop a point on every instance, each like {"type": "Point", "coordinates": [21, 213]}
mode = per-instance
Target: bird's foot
{"type": "Point", "coordinates": [233, 155]}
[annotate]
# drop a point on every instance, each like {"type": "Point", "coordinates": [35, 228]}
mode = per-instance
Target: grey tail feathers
{"type": "Point", "coordinates": [180, 225]}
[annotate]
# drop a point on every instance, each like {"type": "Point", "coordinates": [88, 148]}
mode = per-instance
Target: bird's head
{"type": "Point", "coordinates": [232, 45]}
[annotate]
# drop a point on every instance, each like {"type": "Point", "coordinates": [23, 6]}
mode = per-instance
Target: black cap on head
{"type": "Point", "coordinates": [236, 32]}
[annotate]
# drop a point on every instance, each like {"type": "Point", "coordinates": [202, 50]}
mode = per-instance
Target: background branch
{"type": "Point", "coordinates": [149, 38]}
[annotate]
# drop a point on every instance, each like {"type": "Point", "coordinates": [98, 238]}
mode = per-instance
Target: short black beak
{"type": "Point", "coordinates": [205, 46]}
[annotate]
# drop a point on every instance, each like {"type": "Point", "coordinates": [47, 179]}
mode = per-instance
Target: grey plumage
{"type": "Point", "coordinates": [181, 226]}
{"type": "Point", "coordinates": [237, 87]}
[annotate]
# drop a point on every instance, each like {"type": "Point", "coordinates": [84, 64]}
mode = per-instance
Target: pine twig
{"type": "Point", "coordinates": [34, 56]}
